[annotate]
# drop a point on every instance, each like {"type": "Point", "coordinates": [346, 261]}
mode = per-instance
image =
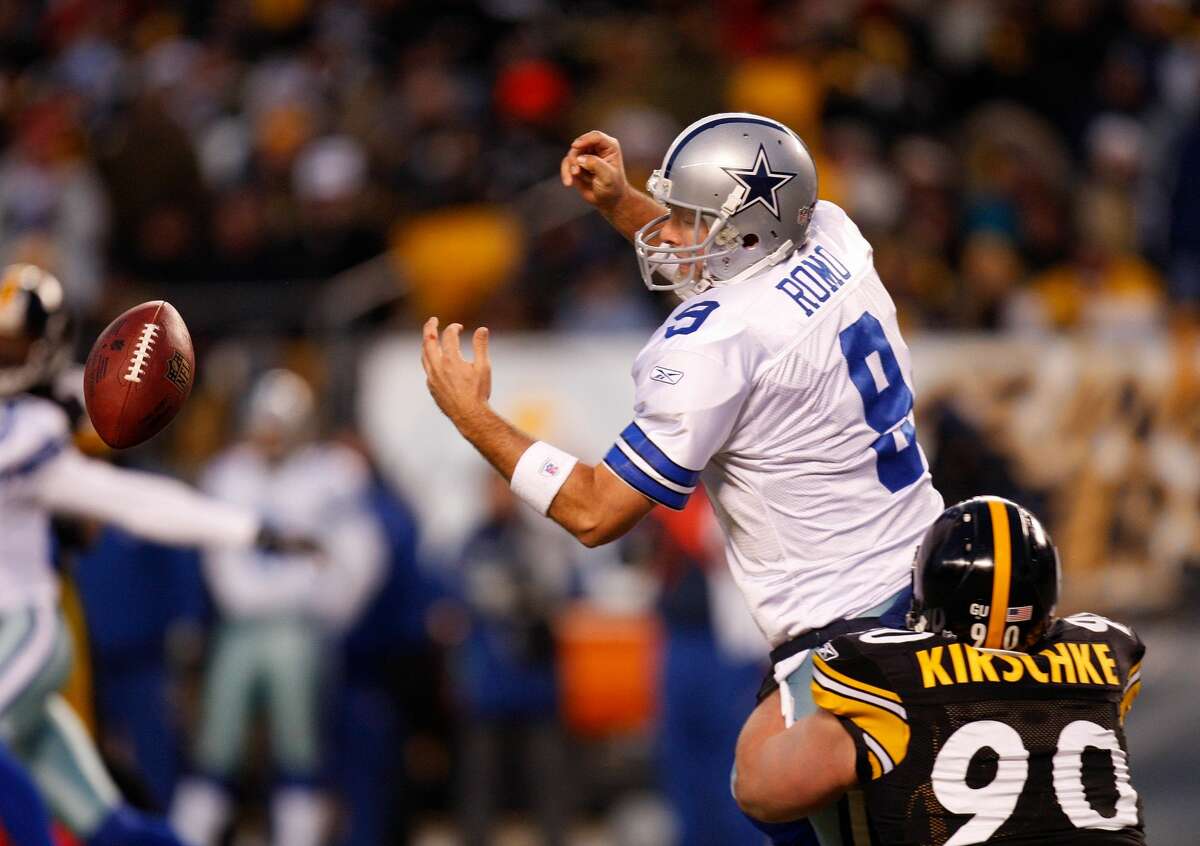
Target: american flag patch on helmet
{"type": "Point", "coordinates": [1019, 615]}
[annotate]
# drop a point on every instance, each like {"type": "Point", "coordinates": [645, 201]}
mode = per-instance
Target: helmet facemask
{"type": "Point", "coordinates": [685, 268]}
{"type": "Point", "coordinates": [931, 620]}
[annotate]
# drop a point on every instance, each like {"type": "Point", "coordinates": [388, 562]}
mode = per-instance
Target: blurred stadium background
{"type": "Point", "coordinates": [308, 179]}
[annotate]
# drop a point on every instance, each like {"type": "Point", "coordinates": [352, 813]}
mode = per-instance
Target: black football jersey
{"type": "Point", "coordinates": [958, 745]}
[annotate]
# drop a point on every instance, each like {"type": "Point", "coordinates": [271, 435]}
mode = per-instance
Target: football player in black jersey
{"type": "Point", "coordinates": [987, 720]}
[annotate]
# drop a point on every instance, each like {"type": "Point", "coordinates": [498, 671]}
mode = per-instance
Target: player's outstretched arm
{"type": "Point", "coordinates": [592, 504]}
{"type": "Point", "coordinates": [153, 507]}
{"type": "Point", "coordinates": [595, 168]}
{"type": "Point", "coordinates": [785, 774]}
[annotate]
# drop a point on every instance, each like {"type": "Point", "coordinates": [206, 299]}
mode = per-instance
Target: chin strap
{"type": "Point", "coordinates": [770, 260]}
{"type": "Point", "coordinates": [697, 287]}
{"type": "Point", "coordinates": [733, 202]}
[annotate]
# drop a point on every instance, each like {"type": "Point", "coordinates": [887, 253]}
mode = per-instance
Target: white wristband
{"type": "Point", "coordinates": [540, 472]}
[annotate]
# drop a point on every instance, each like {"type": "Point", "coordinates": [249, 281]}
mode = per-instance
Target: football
{"type": "Point", "coordinates": [138, 374]}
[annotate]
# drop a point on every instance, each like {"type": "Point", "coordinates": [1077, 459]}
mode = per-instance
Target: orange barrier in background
{"type": "Point", "coordinates": [609, 666]}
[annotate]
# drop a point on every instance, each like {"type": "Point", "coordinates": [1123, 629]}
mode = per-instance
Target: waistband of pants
{"type": "Point", "coordinates": [813, 638]}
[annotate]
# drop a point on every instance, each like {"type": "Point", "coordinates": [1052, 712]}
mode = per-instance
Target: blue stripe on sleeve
{"type": "Point", "coordinates": [34, 461]}
{"type": "Point", "coordinates": [656, 458]}
{"type": "Point", "coordinates": [7, 418]}
{"type": "Point", "coordinates": [621, 465]}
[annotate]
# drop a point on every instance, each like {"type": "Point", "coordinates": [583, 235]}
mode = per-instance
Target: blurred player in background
{"type": "Point", "coordinates": [41, 474]}
{"type": "Point", "coordinates": [953, 740]}
{"type": "Point", "coordinates": [782, 378]}
{"type": "Point", "coordinates": [515, 578]}
{"type": "Point", "coordinates": [277, 611]}
{"type": "Point", "coordinates": [707, 634]}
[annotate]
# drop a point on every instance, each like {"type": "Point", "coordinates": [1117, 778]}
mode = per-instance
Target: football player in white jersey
{"type": "Point", "coordinates": [781, 381]}
{"type": "Point", "coordinates": [276, 613]}
{"type": "Point", "coordinates": [42, 474]}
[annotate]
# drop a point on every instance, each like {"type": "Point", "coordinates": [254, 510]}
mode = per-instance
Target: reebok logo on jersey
{"type": "Point", "coordinates": [666, 375]}
{"type": "Point", "coordinates": [827, 652]}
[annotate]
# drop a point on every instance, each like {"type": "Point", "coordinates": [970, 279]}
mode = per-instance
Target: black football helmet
{"type": "Point", "coordinates": [35, 328]}
{"type": "Point", "coordinates": [986, 573]}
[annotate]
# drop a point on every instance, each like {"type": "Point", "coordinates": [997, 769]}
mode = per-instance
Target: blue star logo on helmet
{"type": "Point", "coordinates": [761, 183]}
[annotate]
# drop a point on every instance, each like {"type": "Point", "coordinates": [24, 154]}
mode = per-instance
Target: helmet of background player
{"type": "Point", "coordinates": [986, 573]}
{"type": "Point", "coordinates": [34, 328]}
{"type": "Point", "coordinates": [280, 412]}
{"type": "Point", "coordinates": [744, 185]}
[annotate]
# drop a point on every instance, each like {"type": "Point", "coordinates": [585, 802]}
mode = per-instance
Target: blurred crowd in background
{"type": "Point", "coordinates": [1016, 164]}
{"type": "Point", "coordinates": [303, 175]}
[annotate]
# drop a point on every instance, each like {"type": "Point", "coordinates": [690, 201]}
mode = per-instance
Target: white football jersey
{"type": "Point", "coordinates": [41, 473]}
{"type": "Point", "coordinates": [317, 492]}
{"type": "Point", "coordinates": [790, 395]}
{"type": "Point", "coordinates": [32, 433]}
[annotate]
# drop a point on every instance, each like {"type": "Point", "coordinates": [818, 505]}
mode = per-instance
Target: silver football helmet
{"type": "Point", "coordinates": [746, 179]}
{"type": "Point", "coordinates": [281, 408]}
{"type": "Point", "coordinates": [35, 328]}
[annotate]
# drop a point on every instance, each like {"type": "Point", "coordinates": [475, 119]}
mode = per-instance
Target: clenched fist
{"type": "Point", "coordinates": [595, 168]}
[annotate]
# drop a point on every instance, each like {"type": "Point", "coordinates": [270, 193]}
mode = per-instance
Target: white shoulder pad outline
{"type": "Point", "coordinates": [1097, 623]}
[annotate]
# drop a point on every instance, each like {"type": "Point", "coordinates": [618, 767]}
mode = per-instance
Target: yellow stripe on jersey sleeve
{"type": "Point", "coordinates": [824, 667]}
{"type": "Point", "coordinates": [876, 767]}
{"type": "Point", "coordinates": [886, 733]}
{"type": "Point", "coordinates": [1127, 699]}
{"type": "Point", "coordinates": [1133, 686]}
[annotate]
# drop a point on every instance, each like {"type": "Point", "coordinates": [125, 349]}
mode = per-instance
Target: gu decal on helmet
{"type": "Point", "coordinates": [549, 468]}
{"type": "Point", "coordinates": [666, 375]}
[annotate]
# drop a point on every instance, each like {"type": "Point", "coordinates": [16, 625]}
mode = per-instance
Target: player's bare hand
{"type": "Point", "coordinates": [460, 388]}
{"type": "Point", "coordinates": [595, 168]}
